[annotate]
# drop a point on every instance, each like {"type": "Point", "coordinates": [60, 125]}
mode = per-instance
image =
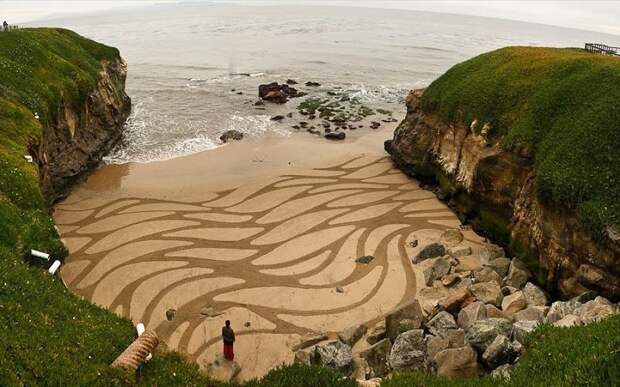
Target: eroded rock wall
{"type": "Point", "coordinates": [82, 135]}
{"type": "Point", "coordinates": [493, 188]}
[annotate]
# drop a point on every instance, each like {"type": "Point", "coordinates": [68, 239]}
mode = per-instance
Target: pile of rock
{"type": "Point", "coordinates": [477, 326]}
{"type": "Point", "coordinates": [278, 93]}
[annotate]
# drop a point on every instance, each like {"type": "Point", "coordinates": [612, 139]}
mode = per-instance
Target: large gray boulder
{"type": "Point", "coordinates": [223, 370]}
{"type": "Point", "coordinates": [534, 295]}
{"type": "Point", "coordinates": [521, 328]}
{"type": "Point", "coordinates": [472, 312]}
{"type": "Point", "coordinates": [501, 351]}
{"type": "Point", "coordinates": [502, 372]}
{"type": "Point", "coordinates": [518, 274]}
{"type": "Point", "coordinates": [403, 319]}
{"type": "Point", "coordinates": [596, 310]}
{"type": "Point", "coordinates": [560, 309]}
{"type": "Point", "coordinates": [376, 357]}
{"type": "Point", "coordinates": [439, 268]}
{"type": "Point", "coordinates": [440, 324]}
{"type": "Point", "coordinates": [489, 252]}
{"type": "Point", "coordinates": [457, 362]}
{"type": "Point", "coordinates": [352, 334]}
{"type": "Point", "coordinates": [513, 303]}
{"type": "Point", "coordinates": [487, 292]}
{"type": "Point", "coordinates": [334, 354]}
{"type": "Point", "coordinates": [430, 251]}
{"type": "Point", "coordinates": [408, 350]}
{"type": "Point", "coordinates": [482, 332]}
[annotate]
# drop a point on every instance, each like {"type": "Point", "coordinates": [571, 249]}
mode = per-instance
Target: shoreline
{"type": "Point", "coordinates": [263, 232]}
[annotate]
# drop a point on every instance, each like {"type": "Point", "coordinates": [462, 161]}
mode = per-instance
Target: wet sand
{"type": "Point", "coordinates": [263, 232]}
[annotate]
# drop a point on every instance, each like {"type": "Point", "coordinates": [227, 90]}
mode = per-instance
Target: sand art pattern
{"type": "Point", "coordinates": [277, 257]}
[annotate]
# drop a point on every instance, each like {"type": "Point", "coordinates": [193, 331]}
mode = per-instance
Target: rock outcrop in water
{"type": "Point", "coordinates": [493, 188]}
{"type": "Point", "coordinates": [81, 136]}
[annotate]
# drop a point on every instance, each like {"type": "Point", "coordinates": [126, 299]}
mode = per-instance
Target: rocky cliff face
{"type": "Point", "coordinates": [80, 137]}
{"type": "Point", "coordinates": [493, 188]}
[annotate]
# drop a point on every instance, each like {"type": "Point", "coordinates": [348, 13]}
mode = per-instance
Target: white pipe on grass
{"type": "Point", "coordinates": [52, 270]}
{"type": "Point", "coordinates": [40, 254]}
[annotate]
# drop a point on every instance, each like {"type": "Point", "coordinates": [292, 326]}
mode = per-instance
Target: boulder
{"type": "Point", "coordinates": [487, 292]}
{"type": "Point", "coordinates": [457, 362]}
{"type": "Point", "coordinates": [439, 268]}
{"type": "Point", "coordinates": [493, 311]}
{"type": "Point", "coordinates": [405, 318]}
{"type": "Point", "coordinates": [451, 238]}
{"type": "Point", "coordinates": [472, 312]}
{"type": "Point", "coordinates": [308, 340]}
{"type": "Point", "coordinates": [450, 279]}
{"type": "Point", "coordinates": [522, 328]}
{"type": "Point", "coordinates": [502, 372]}
{"type": "Point", "coordinates": [535, 295]}
{"type": "Point", "coordinates": [596, 310]}
{"type": "Point", "coordinates": [560, 309]}
{"type": "Point", "coordinates": [434, 345]}
{"type": "Point", "coordinates": [453, 301]}
{"type": "Point", "coordinates": [507, 290]}
{"type": "Point", "coordinates": [231, 135]}
{"type": "Point", "coordinates": [334, 354]}
{"type": "Point", "coordinates": [570, 320]}
{"type": "Point", "coordinates": [586, 296]}
{"type": "Point", "coordinates": [481, 333]}
{"type": "Point", "coordinates": [518, 274]}
{"type": "Point", "coordinates": [514, 303]}
{"type": "Point", "coordinates": [312, 84]}
{"type": "Point", "coordinates": [365, 260]}
{"type": "Point", "coordinates": [376, 357]}
{"type": "Point", "coordinates": [335, 135]}
{"type": "Point", "coordinates": [489, 252]}
{"type": "Point", "coordinates": [291, 82]}
{"type": "Point", "coordinates": [531, 313]}
{"type": "Point", "coordinates": [460, 251]}
{"type": "Point", "coordinates": [487, 274]}
{"type": "Point", "coordinates": [274, 92]}
{"type": "Point", "coordinates": [430, 251]}
{"type": "Point", "coordinates": [500, 265]}
{"type": "Point", "coordinates": [376, 333]}
{"type": "Point", "coordinates": [223, 370]}
{"type": "Point", "coordinates": [373, 382]}
{"type": "Point", "coordinates": [277, 118]}
{"type": "Point", "coordinates": [408, 350]}
{"type": "Point", "coordinates": [352, 334]}
{"type": "Point", "coordinates": [440, 324]}
{"type": "Point", "coordinates": [501, 351]}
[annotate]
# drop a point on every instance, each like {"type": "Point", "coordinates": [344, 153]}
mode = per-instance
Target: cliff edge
{"type": "Point", "coordinates": [523, 143]}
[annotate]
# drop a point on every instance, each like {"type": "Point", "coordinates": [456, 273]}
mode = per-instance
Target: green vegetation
{"type": "Point", "coordinates": [562, 104]}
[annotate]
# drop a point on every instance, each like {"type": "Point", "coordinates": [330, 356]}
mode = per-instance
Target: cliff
{"type": "Point", "coordinates": [522, 143]}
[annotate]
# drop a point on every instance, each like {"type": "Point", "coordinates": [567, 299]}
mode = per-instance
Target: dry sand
{"type": "Point", "coordinates": [260, 232]}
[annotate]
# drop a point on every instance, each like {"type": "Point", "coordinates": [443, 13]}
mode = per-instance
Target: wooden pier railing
{"type": "Point", "coordinates": [602, 49]}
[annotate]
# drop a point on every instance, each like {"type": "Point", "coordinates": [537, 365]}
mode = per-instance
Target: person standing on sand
{"type": "Point", "coordinates": [228, 335]}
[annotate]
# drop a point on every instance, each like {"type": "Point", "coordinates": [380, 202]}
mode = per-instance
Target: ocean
{"type": "Point", "coordinates": [194, 68]}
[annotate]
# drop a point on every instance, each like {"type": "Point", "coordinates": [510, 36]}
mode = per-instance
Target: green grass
{"type": "Point", "coordinates": [576, 356]}
{"type": "Point", "coordinates": [562, 104]}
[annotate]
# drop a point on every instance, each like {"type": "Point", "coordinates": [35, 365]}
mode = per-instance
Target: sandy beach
{"type": "Point", "coordinates": [263, 232]}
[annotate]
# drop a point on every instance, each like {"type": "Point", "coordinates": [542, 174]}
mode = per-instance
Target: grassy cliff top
{"type": "Point", "coordinates": [561, 104]}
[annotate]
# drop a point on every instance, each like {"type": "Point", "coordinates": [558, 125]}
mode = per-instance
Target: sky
{"type": "Point", "coordinates": [594, 15]}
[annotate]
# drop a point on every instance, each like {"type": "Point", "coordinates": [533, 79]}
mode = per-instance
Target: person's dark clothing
{"type": "Point", "coordinates": [228, 335]}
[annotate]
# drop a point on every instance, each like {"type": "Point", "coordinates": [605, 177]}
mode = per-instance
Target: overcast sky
{"type": "Point", "coordinates": [595, 15]}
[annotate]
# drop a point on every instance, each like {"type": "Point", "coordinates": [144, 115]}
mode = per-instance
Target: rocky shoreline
{"type": "Point", "coordinates": [477, 326]}
{"type": "Point", "coordinates": [492, 188]}
{"type": "Point", "coordinates": [76, 142]}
